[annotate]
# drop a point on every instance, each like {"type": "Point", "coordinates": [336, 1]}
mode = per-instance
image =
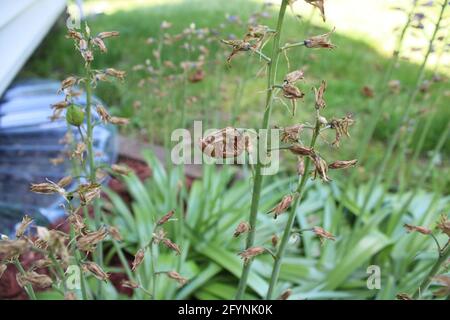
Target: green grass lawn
{"type": "Point", "coordinates": [357, 61]}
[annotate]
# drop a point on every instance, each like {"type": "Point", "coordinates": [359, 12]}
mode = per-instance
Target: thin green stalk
{"type": "Point", "coordinates": [434, 270]}
{"type": "Point", "coordinates": [404, 117]}
{"type": "Point", "coordinates": [258, 178]}
{"type": "Point", "coordinates": [290, 223]}
{"type": "Point", "coordinates": [28, 288]}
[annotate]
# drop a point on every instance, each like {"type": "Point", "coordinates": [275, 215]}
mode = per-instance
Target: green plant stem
{"type": "Point", "coordinates": [404, 117]}
{"type": "Point", "coordinates": [434, 270]}
{"type": "Point", "coordinates": [98, 257]}
{"type": "Point", "coordinates": [290, 223]}
{"type": "Point", "coordinates": [28, 288]}
{"type": "Point", "coordinates": [258, 178]}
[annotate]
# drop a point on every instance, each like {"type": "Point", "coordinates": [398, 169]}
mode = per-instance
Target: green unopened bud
{"type": "Point", "coordinates": [74, 115]}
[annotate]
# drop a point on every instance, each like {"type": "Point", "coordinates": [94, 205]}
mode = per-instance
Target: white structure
{"type": "Point", "coordinates": [23, 25]}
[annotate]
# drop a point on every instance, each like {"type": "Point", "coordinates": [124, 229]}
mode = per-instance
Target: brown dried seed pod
{"type": "Point", "coordinates": [301, 151]}
{"type": "Point", "coordinates": [88, 192]}
{"type": "Point", "coordinates": [89, 241]}
{"type": "Point", "coordinates": [281, 207]}
{"type": "Point", "coordinates": [120, 169]}
{"type": "Point", "coordinates": [166, 217]}
{"type": "Point", "coordinates": [138, 258]}
{"type": "Point", "coordinates": [294, 76]}
{"type": "Point", "coordinates": [323, 234]}
{"type": "Point", "coordinates": [319, 93]}
{"type": "Point", "coordinates": [177, 277]}
{"type": "Point", "coordinates": [225, 143]}
{"type": "Point", "coordinates": [320, 41]}
{"type": "Point", "coordinates": [342, 164]}
{"type": "Point", "coordinates": [292, 133]}
{"type": "Point", "coordinates": [171, 245]}
{"type": "Point", "coordinates": [321, 168]}
{"type": "Point", "coordinates": [410, 228]}
{"type": "Point", "coordinates": [242, 227]}
{"type": "Point", "coordinates": [95, 270]}
{"type": "Point", "coordinates": [285, 295]}
{"type": "Point", "coordinates": [130, 284]}
{"type": "Point", "coordinates": [26, 222]}
{"type": "Point", "coordinates": [12, 248]}
{"type": "Point", "coordinates": [319, 4]}
{"type": "Point", "coordinates": [444, 225]}
{"type": "Point", "coordinates": [34, 279]}
{"type": "Point", "coordinates": [108, 34]}
{"type": "Point", "coordinates": [250, 253]}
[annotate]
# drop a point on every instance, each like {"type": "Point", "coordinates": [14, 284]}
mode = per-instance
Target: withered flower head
{"type": "Point", "coordinates": [171, 245]}
{"type": "Point", "coordinates": [444, 225]}
{"type": "Point", "coordinates": [104, 115]}
{"type": "Point", "coordinates": [319, 4]}
{"type": "Point", "coordinates": [47, 188]}
{"type": "Point", "coordinates": [34, 279]}
{"type": "Point", "coordinates": [3, 268]}
{"type": "Point", "coordinates": [108, 34]}
{"type": "Point", "coordinates": [242, 227]}
{"type": "Point", "coordinates": [100, 44]}
{"type": "Point", "coordinates": [322, 234]}
{"type": "Point", "coordinates": [256, 32]}
{"type": "Point", "coordinates": [292, 92]}
{"type": "Point", "coordinates": [115, 233]}
{"type": "Point", "coordinates": [341, 127]}
{"type": "Point", "coordinates": [22, 228]}
{"type": "Point", "coordinates": [321, 168]}
{"type": "Point", "coordinates": [12, 248]}
{"type": "Point", "coordinates": [320, 102]}
{"type": "Point", "coordinates": [420, 229]}
{"type": "Point", "coordinates": [301, 151]}
{"type": "Point", "coordinates": [225, 143]}
{"type": "Point", "coordinates": [72, 34]}
{"type": "Point", "coordinates": [95, 269]}
{"type": "Point", "coordinates": [119, 121]}
{"type": "Point", "coordinates": [321, 41]}
{"type": "Point", "coordinates": [60, 105]}
{"type": "Point", "coordinates": [285, 295]}
{"type": "Point", "coordinates": [250, 253]}
{"type": "Point", "coordinates": [238, 46]}
{"type": "Point", "coordinates": [138, 258]}
{"type": "Point", "coordinates": [64, 182]}
{"type": "Point", "coordinates": [79, 151]}
{"type": "Point", "coordinates": [130, 284]}
{"type": "Point", "coordinates": [294, 76]}
{"type": "Point", "coordinates": [88, 192]}
{"type": "Point", "coordinates": [282, 205]}
{"type": "Point", "coordinates": [292, 133]}
{"type": "Point", "coordinates": [342, 164]}
{"type": "Point", "coordinates": [177, 277]}
{"type": "Point", "coordinates": [120, 169]}
{"type": "Point", "coordinates": [68, 83]}
{"type": "Point", "coordinates": [89, 241]}
{"type": "Point", "coordinates": [166, 217]}
{"type": "Point", "coordinates": [43, 263]}
{"type": "Point", "coordinates": [115, 73]}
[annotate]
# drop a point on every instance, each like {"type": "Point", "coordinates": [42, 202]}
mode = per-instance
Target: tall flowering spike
{"type": "Point", "coordinates": [342, 164]}
{"type": "Point", "coordinates": [319, 4]}
{"type": "Point", "coordinates": [321, 41]}
{"type": "Point", "coordinates": [26, 222]}
{"type": "Point", "coordinates": [282, 206]}
{"type": "Point", "coordinates": [242, 227]}
{"type": "Point", "coordinates": [166, 217]}
{"type": "Point", "coordinates": [319, 93]}
{"type": "Point", "coordinates": [138, 258]}
{"type": "Point", "coordinates": [95, 270]}
{"type": "Point", "coordinates": [250, 253]}
{"type": "Point", "coordinates": [410, 228]}
{"type": "Point", "coordinates": [34, 279]}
